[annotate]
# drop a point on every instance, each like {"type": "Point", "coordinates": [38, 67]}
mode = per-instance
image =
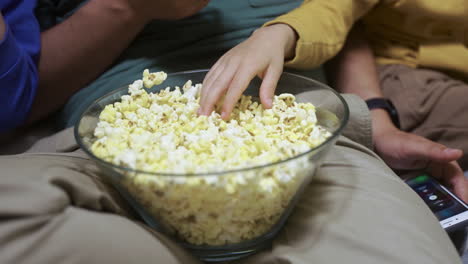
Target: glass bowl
{"type": "Point", "coordinates": [211, 221]}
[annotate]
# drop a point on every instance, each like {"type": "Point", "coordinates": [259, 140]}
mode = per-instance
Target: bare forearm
{"type": "Point", "coordinates": [76, 51]}
{"type": "Point", "coordinates": [353, 70]}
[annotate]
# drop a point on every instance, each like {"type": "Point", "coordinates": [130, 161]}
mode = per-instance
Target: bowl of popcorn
{"type": "Point", "coordinates": [223, 189]}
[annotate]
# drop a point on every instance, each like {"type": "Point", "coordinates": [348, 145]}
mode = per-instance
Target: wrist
{"type": "Point", "coordinates": [381, 122]}
{"type": "Point", "coordinates": [387, 105]}
{"type": "Point", "coordinates": [286, 36]}
{"type": "Point", "coordinates": [290, 37]}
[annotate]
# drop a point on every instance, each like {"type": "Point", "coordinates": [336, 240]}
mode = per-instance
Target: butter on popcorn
{"type": "Point", "coordinates": [162, 133]}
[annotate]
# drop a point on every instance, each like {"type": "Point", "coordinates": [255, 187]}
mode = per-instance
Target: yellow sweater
{"type": "Point", "coordinates": [418, 33]}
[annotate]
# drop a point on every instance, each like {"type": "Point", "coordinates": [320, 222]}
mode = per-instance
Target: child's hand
{"type": "Point", "coordinates": [261, 54]}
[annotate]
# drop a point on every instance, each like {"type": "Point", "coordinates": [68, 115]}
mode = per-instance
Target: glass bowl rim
{"type": "Point", "coordinates": [334, 135]}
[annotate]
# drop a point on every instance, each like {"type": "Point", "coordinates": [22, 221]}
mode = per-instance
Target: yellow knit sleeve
{"type": "Point", "coordinates": [322, 27]}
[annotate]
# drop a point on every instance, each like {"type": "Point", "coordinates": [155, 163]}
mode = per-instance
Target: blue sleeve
{"type": "Point", "coordinates": [19, 51]}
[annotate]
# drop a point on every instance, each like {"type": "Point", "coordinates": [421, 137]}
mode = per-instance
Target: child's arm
{"type": "Point", "coordinates": [306, 37]}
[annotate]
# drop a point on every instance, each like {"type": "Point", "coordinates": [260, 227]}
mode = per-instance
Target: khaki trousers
{"type": "Point", "coordinates": [54, 208]}
{"type": "Point", "coordinates": [430, 104]}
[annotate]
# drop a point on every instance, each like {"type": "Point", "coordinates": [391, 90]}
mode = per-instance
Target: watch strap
{"type": "Point", "coordinates": [387, 105]}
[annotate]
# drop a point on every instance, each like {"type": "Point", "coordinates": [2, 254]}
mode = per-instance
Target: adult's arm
{"type": "Point", "coordinates": [354, 70]}
{"type": "Point", "coordinates": [18, 74]}
{"type": "Point", "coordinates": [79, 49]}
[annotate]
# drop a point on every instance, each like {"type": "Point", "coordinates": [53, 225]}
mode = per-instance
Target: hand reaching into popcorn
{"type": "Point", "coordinates": [140, 130]}
{"type": "Point", "coordinates": [262, 54]}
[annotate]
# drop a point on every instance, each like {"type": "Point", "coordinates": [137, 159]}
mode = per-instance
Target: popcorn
{"type": "Point", "coordinates": [151, 79]}
{"type": "Point", "coordinates": [162, 133]}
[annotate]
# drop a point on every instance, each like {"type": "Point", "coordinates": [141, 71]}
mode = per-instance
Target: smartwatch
{"type": "Point", "coordinates": [387, 105]}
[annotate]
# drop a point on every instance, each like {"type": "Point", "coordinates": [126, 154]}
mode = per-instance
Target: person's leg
{"type": "Point", "coordinates": [430, 104]}
{"type": "Point", "coordinates": [55, 209]}
{"type": "Point", "coordinates": [356, 210]}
